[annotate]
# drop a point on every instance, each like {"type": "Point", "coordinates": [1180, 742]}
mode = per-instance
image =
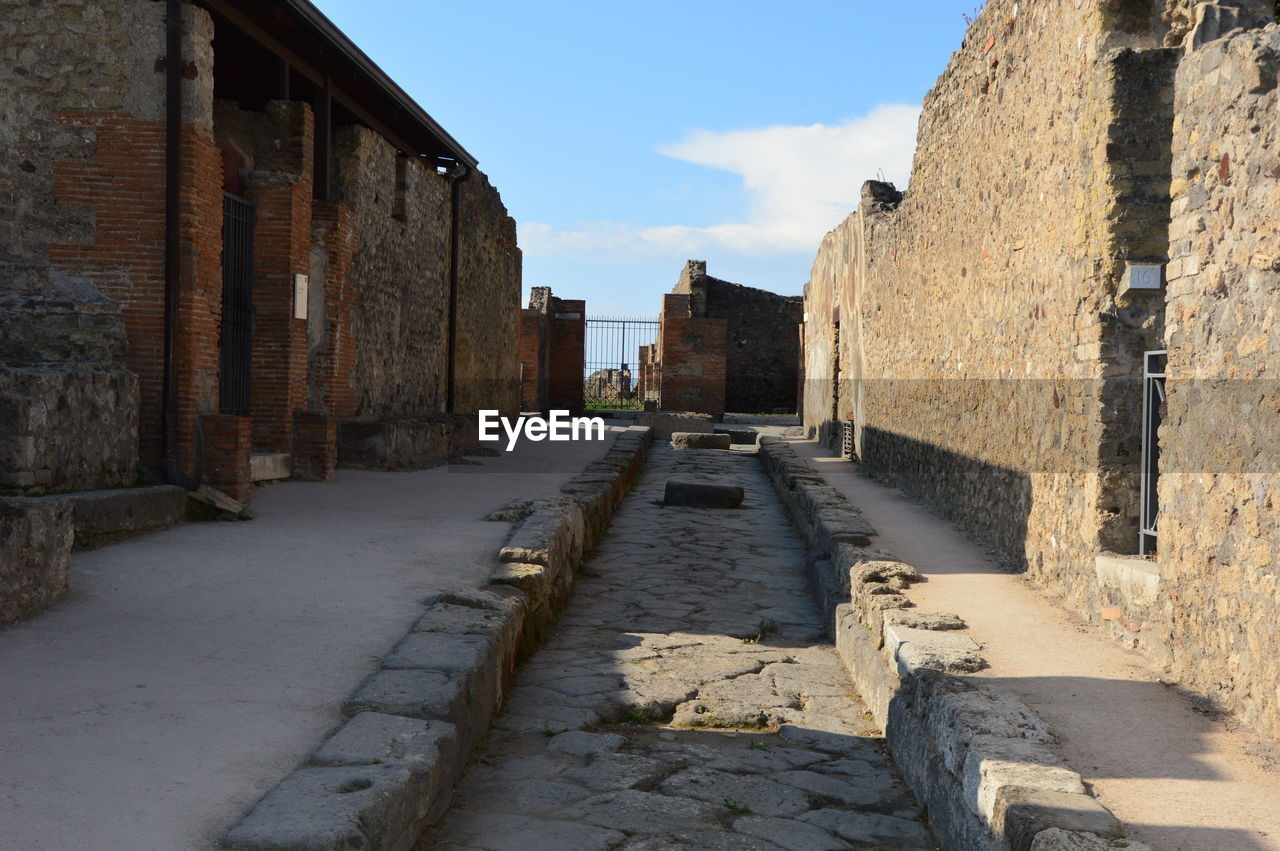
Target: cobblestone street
{"type": "Point", "coordinates": [687, 698]}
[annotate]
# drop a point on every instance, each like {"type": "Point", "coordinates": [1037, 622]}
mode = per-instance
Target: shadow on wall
{"type": "Point", "coordinates": [993, 502]}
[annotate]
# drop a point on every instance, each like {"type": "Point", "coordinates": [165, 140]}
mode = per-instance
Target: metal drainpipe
{"type": "Point", "coordinates": [172, 196]}
{"type": "Point", "coordinates": [461, 173]}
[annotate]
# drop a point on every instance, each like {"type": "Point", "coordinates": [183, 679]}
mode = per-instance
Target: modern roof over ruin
{"type": "Point", "coordinates": [313, 48]}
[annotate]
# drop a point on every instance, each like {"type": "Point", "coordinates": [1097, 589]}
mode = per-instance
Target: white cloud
{"type": "Point", "coordinates": [801, 182]}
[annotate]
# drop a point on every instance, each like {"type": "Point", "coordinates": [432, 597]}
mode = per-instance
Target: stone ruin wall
{"type": "Point", "coordinates": [399, 277]}
{"type": "Point", "coordinates": [1219, 527]}
{"type": "Point", "coordinates": [762, 351]}
{"type": "Point", "coordinates": [986, 239]}
{"type": "Point", "coordinates": [400, 280]}
{"type": "Point", "coordinates": [68, 398]}
{"type": "Point", "coordinates": [991, 363]}
{"type": "Point", "coordinates": [489, 284]}
{"type": "Point", "coordinates": [762, 347]}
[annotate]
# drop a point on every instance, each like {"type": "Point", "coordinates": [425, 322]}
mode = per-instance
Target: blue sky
{"type": "Point", "coordinates": [626, 137]}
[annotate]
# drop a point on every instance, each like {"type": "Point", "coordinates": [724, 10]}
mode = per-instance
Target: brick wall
{"type": "Point", "coordinates": [532, 351]}
{"type": "Point", "coordinates": [228, 443]}
{"type": "Point", "coordinates": [566, 344]}
{"type": "Point", "coordinates": [762, 362]}
{"type": "Point", "coordinates": [315, 447]}
{"type": "Point", "coordinates": [692, 353]}
{"type": "Point", "coordinates": [122, 188]}
{"type": "Point", "coordinates": [119, 186]}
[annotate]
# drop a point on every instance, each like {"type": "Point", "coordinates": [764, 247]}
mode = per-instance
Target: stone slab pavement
{"type": "Point", "coordinates": [687, 698]}
{"type": "Point", "coordinates": [1178, 780]}
{"type": "Point", "coordinates": [191, 669]}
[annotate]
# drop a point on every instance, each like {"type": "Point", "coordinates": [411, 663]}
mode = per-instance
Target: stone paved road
{"type": "Point", "coordinates": [687, 699]}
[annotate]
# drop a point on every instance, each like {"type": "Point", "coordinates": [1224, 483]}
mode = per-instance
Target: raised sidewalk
{"type": "Point", "coordinates": [192, 669]}
{"type": "Point", "coordinates": [1175, 778]}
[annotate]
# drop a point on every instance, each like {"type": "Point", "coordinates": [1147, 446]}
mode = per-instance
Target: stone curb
{"type": "Point", "coordinates": [386, 774]}
{"type": "Point", "coordinates": [978, 760]}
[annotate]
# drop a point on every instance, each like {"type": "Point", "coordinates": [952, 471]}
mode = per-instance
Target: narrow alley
{"type": "Point", "coordinates": [687, 698]}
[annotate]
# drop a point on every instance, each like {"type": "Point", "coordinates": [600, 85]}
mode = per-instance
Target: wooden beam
{"type": "Point", "coordinates": [272, 44]}
{"type": "Point", "coordinates": [282, 87]}
{"type": "Point", "coordinates": [324, 139]}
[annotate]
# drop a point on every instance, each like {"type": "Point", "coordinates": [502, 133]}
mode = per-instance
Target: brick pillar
{"type": "Point", "coordinates": [124, 256]}
{"type": "Point", "coordinates": [228, 443]}
{"type": "Point", "coordinates": [315, 447]}
{"type": "Point", "coordinates": [566, 345]}
{"type": "Point", "coordinates": [692, 353]}
{"type": "Point", "coordinates": [281, 248]}
{"type": "Point", "coordinates": [532, 352]}
{"type": "Point", "coordinates": [199, 309]}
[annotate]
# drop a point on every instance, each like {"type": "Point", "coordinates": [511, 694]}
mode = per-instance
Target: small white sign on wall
{"type": "Point", "coordinates": [300, 296]}
{"type": "Point", "coordinates": [1142, 279]}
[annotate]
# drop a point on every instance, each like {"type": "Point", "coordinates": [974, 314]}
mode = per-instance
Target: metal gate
{"type": "Point", "coordinates": [236, 338]}
{"type": "Point", "coordinates": [614, 375]}
{"type": "Point", "coordinates": [1153, 399]}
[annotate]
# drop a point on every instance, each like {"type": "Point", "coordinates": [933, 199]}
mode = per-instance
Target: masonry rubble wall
{"type": "Point", "coordinates": [978, 332]}
{"type": "Point", "coordinates": [400, 277]}
{"type": "Point", "coordinates": [1219, 591]}
{"type": "Point", "coordinates": [489, 284]}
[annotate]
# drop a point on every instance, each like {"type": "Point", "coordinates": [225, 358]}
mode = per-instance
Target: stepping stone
{"type": "Point", "coordinates": [702, 495]}
{"type": "Point", "coordinates": [694, 440]}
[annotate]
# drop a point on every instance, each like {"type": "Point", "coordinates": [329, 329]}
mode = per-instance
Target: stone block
{"type": "Point", "coordinates": [1137, 579]}
{"type": "Point", "coordinates": [337, 809]}
{"type": "Point", "coordinates": [916, 649]}
{"type": "Point", "coordinates": [1057, 839]}
{"type": "Point", "coordinates": [433, 695]}
{"type": "Point", "coordinates": [697, 440]}
{"type": "Point", "coordinates": [439, 651]}
{"type": "Point", "coordinates": [994, 763]}
{"type": "Point", "coordinates": [1019, 814]}
{"type": "Point", "coordinates": [552, 532]}
{"type": "Point", "coordinates": [702, 495]}
{"type": "Point", "coordinates": [106, 514]}
{"type": "Point", "coordinates": [35, 554]}
{"type": "Point", "coordinates": [740, 436]}
{"type": "Point", "coordinates": [372, 738]}
{"type": "Point", "coordinates": [924, 620]}
{"type": "Point", "coordinates": [269, 466]}
{"type": "Point", "coordinates": [665, 423]}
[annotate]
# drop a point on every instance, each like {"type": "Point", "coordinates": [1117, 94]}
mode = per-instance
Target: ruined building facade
{"type": "Point", "coordinates": [552, 348]}
{"type": "Point", "coordinates": [1064, 335]}
{"type": "Point", "coordinates": [226, 236]}
{"type": "Point", "coordinates": [724, 347]}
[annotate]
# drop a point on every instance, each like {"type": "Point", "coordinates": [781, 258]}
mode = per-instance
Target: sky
{"type": "Point", "coordinates": [628, 137]}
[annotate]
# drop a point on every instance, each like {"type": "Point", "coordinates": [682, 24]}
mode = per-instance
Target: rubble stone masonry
{"type": "Point", "coordinates": [1219, 530]}
{"type": "Point", "coordinates": [977, 332]}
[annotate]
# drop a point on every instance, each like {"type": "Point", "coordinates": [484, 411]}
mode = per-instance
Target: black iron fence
{"type": "Point", "coordinates": [617, 375]}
